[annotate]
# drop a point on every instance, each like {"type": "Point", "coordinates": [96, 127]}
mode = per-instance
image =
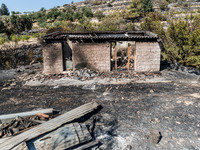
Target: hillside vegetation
{"type": "Point", "coordinates": [179, 29]}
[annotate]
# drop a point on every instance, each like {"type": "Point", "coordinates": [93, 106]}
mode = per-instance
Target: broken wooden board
{"type": "Point", "coordinates": [2, 140]}
{"type": "Point", "coordinates": [49, 125]}
{"type": "Point", "coordinates": [21, 146]}
{"type": "Point", "coordinates": [87, 146]}
{"type": "Point", "coordinates": [9, 117]}
{"type": "Point", "coordinates": [66, 137]}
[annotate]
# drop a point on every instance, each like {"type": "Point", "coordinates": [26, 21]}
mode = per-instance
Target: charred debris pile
{"type": "Point", "coordinates": [48, 129]}
{"type": "Point", "coordinates": [88, 74]}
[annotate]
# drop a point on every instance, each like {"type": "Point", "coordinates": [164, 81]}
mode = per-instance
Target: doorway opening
{"type": "Point", "coordinates": [123, 55]}
{"type": "Point", "coordinates": [67, 57]}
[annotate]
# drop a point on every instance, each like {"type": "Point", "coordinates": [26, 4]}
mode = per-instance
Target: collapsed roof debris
{"type": "Point", "coordinates": [98, 36]}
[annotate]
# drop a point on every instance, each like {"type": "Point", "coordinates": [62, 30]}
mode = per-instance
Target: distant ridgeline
{"type": "Point", "coordinates": [107, 6]}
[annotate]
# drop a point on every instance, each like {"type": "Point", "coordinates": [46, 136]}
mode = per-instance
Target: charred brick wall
{"type": "Point", "coordinates": [91, 55]}
{"type": "Point", "coordinates": [52, 58]}
{"type": "Point", "coordinates": [147, 56]}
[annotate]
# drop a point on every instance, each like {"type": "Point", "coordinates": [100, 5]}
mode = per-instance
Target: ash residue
{"type": "Point", "coordinates": [126, 118]}
{"type": "Point", "coordinates": [134, 115]}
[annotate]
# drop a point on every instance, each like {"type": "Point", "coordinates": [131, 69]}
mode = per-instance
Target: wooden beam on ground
{"type": "Point", "coordinates": [21, 146]}
{"type": "Point", "coordinates": [66, 137]}
{"type": "Point", "coordinates": [129, 55]}
{"type": "Point", "coordinates": [9, 117]}
{"type": "Point", "coordinates": [116, 56]}
{"type": "Point", "coordinates": [49, 125]}
{"type": "Point", "coordinates": [2, 140]}
{"type": "Point", "coordinates": [87, 146]}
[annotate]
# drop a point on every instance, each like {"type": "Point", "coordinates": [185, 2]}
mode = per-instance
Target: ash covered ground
{"type": "Point", "coordinates": [152, 112]}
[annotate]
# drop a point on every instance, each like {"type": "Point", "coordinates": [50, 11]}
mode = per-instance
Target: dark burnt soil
{"type": "Point", "coordinates": [129, 111]}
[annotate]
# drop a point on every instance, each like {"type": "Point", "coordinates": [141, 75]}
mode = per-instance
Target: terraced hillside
{"type": "Point", "coordinates": [103, 5]}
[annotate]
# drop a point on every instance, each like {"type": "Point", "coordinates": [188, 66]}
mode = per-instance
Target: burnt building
{"type": "Point", "coordinates": [101, 51]}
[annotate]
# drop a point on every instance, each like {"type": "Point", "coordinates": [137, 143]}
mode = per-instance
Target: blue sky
{"type": "Point", "coordinates": [33, 5]}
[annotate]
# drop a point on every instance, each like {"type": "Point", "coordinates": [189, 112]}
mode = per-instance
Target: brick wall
{"type": "Point", "coordinates": [91, 55]}
{"type": "Point", "coordinates": [147, 56]}
{"type": "Point", "coordinates": [52, 58]}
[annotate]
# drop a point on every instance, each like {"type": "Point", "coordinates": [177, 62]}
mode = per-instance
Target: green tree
{"type": "Point", "coordinates": [2, 27]}
{"type": "Point", "coordinates": [40, 16]}
{"type": "Point", "coordinates": [184, 41]}
{"type": "Point", "coordinates": [112, 22]}
{"type": "Point", "coordinates": [15, 13]}
{"type": "Point", "coordinates": [53, 14]}
{"type": "Point", "coordinates": [17, 24]}
{"type": "Point", "coordinates": [67, 14]}
{"type": "Point", "coordinates": [42, 9]}
{"type": "Point", "coordinates": [87, 12]}
{"type": "Point", "coordinates": [140, 7]}
{"type": "Point", "coordinates": [8, 30]}
{"type": "Point", "coordinates": [164, 5]}
{"type": "Point", "coordinates": [4, 10]}
{"type": "Point", "coordinates": [136, 7]}
{"type": "Point", "coordinates": [14, 24]}
{"type": "Point", "coordinates": [77, 15]}
{"type": "Point", "coordinates": [26, 22]}
{"type": "Point", "coordinates": [99, 14]}
{"type": "Point", "coordinates": [152, 22]}
{"type": "Point", "coordinates": [147, 6]}
{"type": "Point", "coordinates": [84, 26]}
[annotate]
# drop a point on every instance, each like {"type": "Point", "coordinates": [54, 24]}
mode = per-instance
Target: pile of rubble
{"type": "Point", "coordinates": [35, 74]}
{"type": "Point", "coordinates": [88, 74]}
{"type": "Point", "coordinates": [19, 124]}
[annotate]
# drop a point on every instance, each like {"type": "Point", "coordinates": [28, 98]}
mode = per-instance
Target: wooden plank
{"type": "Point", "coordinates": [9, 117]}
{"type": "Point", "coordinates": [49, 125]}
{"type": "Point", "coordinates": [85, 131]}
{"type": "Point", "coordinates": [115, 56]}
{"type": "Point", "coordinates": [87, 146]}
{"type": "Point", "coordinates": [65, 137]}
{"type": "Point", "coordinates": [36, 121]}
{"type": "Point", "coordinates": [129, 55]}
{"type": "Point", "coordinates": [42, 115]}
{"type": "Point", "coordinates": [21, 146]}
{"type": "Point", "coordinates": [2, 140]}
{"type": "Point", "coordinates": [82, 138]}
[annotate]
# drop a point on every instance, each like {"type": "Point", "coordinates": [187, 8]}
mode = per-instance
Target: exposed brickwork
{"type": "Point", "coordinates": [91, 55]}
{"type": "Point", "coordinates": [147, 56]}
{"type": "Point", "coordinates": [52, 58]}
{"type": "Point", "coordinates": [97, 56]}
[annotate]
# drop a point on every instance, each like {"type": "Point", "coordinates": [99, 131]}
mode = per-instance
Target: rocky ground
{"type": "Point", "coordinates": [145, 111]}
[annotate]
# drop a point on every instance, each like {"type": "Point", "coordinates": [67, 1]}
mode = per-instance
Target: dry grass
{"type": "Point", "coordinates": [14, 45]}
